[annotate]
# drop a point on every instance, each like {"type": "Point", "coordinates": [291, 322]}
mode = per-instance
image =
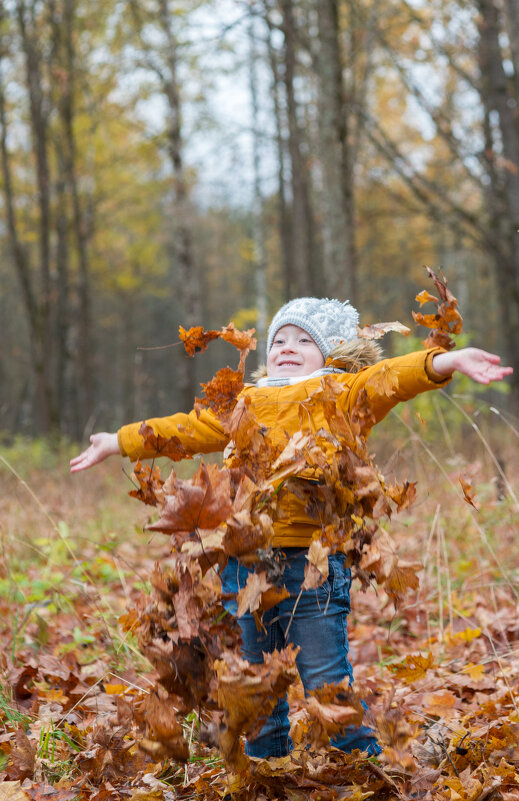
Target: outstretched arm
{"type": "Point", "coordinates": [477, 364]}
{"type": "Point", "coordinates": [102, 445]}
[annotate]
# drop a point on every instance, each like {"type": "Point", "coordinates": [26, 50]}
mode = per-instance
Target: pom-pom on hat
{"type": "Point", "coordinates": [329, 322]}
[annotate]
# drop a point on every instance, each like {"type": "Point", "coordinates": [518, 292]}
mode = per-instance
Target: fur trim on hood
{"type": "Point", "coordinates": [350, 356]}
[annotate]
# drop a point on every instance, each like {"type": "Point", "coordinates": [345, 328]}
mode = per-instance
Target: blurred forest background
{"type": "Point", "coordinates": [190, 162]}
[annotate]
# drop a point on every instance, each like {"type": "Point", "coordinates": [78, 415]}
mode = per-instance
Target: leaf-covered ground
{"type": "Point", "coordinates": [441, 675]}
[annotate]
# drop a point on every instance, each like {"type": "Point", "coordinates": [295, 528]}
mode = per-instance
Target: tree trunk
{"type": "Point", "coordinates": [338, 192]}
{"type": "Point", "coordinates": [188, 283]}
{"type": "Point", "coordinates": [308, 282]}
{"type": "Point", "coordinates": [257, 203]}
{"type": "Point", "coordinates": [497, 90]}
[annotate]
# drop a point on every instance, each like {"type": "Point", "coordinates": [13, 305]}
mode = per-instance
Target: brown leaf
{"type": "Point", "coordinates": [316, 571]}
{"type": "Point", "coordinates": [201, 502]}
{"type": "Point", "coordinates": [196, 339]}
{"type": "Point", "coordinates": [249, 597]}
{"type": "Point", "coordinates": [160, 714]}
{"type": "Point", "coordinates": [426, 297]}
{"type": "Point", "coordinates": [401, 579]}
{"type": "Point", "coordinates": [240, 339]}
{"type": "Point", "coordinates": [221, 393]}
{"type": "Point", "coordinates": [468, 493]}
{"type": "Point", "coordinates": [150, 491]}
{"type": "Point", "coordinates": [22, 757]}
{"type": "Point", "coordinates": [171, 447]}
{"type": "Point", "coordinates": [12, 791]}
{"type": "Point", "coordinates": [414, 667]}
{"type": "Point", "coordinates": [377, 330]}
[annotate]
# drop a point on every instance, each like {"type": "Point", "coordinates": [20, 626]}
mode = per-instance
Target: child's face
{"type": "Point", "coordinates": [293, 353]}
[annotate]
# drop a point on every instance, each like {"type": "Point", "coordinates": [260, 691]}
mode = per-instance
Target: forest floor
{"type": "Point", "coordinates": [441, 672]}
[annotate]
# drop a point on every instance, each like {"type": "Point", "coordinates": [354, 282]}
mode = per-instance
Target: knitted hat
{"type": "Point", "coordinates": [328, 322]}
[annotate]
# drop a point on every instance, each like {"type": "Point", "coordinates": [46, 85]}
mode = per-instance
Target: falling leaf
{"type": "Point", "coordinates": [196, 339]}
{"type": "Point", "coordinates": [201, 502]}
{"type": "Point", "coordinates": [170, 447]}
{"type": "Point", "coordinates": [377, 330]}
{"type": "Point", "coordinates": [468, 492]}
{"type": "Point", "coordinates": [425, 297]}
{"type": "Point", "coordinates": [316, 571]}
{"type": "Point", "coordinates": [221, 393]}
{"type": "Point", "coordinates": [240, 339]}
{"type": "Point", "coordinates": [151, 484]}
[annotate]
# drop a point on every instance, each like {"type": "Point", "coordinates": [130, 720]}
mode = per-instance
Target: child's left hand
{"type": "Point", "coordinates": [477, 364]}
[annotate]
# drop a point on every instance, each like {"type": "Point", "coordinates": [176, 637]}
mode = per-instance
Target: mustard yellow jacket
{"type": "Point", "coordinates": [277, 408]}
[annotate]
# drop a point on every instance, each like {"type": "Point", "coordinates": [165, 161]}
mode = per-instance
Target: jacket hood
{"type": "Point", "coordinates": [350, 356]}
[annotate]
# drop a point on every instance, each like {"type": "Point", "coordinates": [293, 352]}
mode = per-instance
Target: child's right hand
{"type": "Point", "coordinates": [102, 445]}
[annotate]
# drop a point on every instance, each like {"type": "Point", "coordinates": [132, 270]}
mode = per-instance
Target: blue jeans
{"type": "Point", "coordinates": [319, 627]}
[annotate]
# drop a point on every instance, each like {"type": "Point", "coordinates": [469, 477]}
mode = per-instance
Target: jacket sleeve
{"type": "Point", "coordinates": [203, 434]}
{"type": "Point", "coordinates": [410, 375]}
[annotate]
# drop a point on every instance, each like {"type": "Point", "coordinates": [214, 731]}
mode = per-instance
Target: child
{"type": "Point", "coordinates": [302, 335]}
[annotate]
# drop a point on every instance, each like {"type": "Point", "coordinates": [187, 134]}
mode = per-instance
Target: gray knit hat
{"type": "Point", "coordinates": [328, 322]}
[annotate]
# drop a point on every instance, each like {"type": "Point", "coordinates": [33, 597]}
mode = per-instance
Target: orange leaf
{"type": "Point", "coordinates": [414, 667]}
{"type": "Point", "coordinates": [196, 339]}
{"type": "Point", "coordinates": [171, 447]}
{"type": "Point", "coordinates": [240, 339]}
{"type": "Point", "coordinates": [426, 297]}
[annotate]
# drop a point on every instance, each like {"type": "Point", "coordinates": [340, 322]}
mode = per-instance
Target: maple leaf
{"type": "Point", "coordinates": [150, 491]}
{"type": "Point", "coordinates": [221, 393]}
{"type": "Point", "coordinates": [446, 321]}
{"type": "Point", "coordinates": [316, 571]}
{"type": "Point", "coordinates": [401, 579]}
{"type": "Point", "coordinates": [402, 494]}
{"type": "Point", "coordinates": [259, 593]}
{"type": "Point", "coordinates": [425, 297]}
{"type": "Point", "coordinates": [247, 694]}
{"type": "Point", "coordinates": [160, 714]}
{"type": "Point", "coordinates": [383, 382]}
{"type": "Point", "coordinates": [240, 339]}
{"type": "Point", "coordinates": [201, 502]}
{"type": "Point", "coordinates": [171, 447]}
{"type": "Point", "coordinates": [414, 667]}
{"type": "Point", "coordinates": [331, 708]}
{"type": "Point", "coordinates": [377, 330]}
{"type": "Point", "coordinates": [196, 339]}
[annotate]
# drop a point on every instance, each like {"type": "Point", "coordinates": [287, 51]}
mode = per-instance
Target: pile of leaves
{"type": "Point", "coordinates": [446, 716]}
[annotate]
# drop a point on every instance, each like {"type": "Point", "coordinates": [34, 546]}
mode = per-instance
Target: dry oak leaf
{"type": "Point", "coordinates": [201, 502]}
{"type": "Point", "coordinates": [414, 667]}
{"type": "Point", "coordinates": [316, 571]}
{"type": "Point", "coordinates": [150, 491]}
{"type": "Point", "coordinates": [196, 339]}
{"type": "Point", "coordinates": [171, 447]}
{"type": "Point", "coordinates": [377, 330]}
